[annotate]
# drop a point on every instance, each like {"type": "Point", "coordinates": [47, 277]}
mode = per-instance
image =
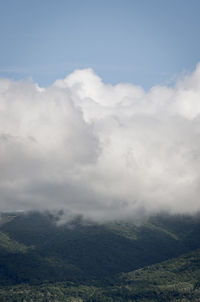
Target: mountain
{"type": "Point", "coordinates": [38, 252]}
{"type": "Point", "coordinates": [173, 280]}
{"type": "Point", "coordinates": [177, 279]}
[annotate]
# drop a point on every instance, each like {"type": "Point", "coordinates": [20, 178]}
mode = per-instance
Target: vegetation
{"type": "Point", "coordinates": [119, 261]}
{"type": "Point", "coordinates": [173, 280]}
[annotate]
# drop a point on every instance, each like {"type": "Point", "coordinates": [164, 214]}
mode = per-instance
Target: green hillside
{"type": "Point", "coordinates": [9, 245]}
{"type": "Point", "coordinates": [42, 260]}
{"type": "Point", "coordinates": [173, 280]}
{"type": "Point", "coordinates": [85, 251]}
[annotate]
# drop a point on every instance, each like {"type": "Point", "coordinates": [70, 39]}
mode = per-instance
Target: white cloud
{"type": "Point", "coordinates": [99, 150]}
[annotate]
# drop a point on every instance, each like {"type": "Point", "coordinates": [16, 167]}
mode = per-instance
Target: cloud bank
{"type": "Point", "coordinates": [99, 150]}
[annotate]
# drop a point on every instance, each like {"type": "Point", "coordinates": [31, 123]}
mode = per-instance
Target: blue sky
{"type": "Point", "coordinates": [145, 42]}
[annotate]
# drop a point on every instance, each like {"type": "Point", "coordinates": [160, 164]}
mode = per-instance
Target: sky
{"type": "Point", "coordinates": [138, 41]}
{"type": "Point", "coordinates": [100, 107]}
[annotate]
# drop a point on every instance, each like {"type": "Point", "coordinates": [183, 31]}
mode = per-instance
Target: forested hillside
{"type": "Point", "coordinates": [173, 280]}
{"type": "Point", "coordinates": [115, 261]}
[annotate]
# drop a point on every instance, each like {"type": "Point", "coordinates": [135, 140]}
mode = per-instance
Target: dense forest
{"type": "Point", "coordinates": [42, 259]}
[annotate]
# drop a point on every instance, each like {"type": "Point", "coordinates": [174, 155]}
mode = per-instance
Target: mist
{"type": "Point", "coordinates": [97, 150]}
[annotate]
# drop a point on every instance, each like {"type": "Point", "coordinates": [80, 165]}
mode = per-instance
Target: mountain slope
{"type": "Point", "coordinates": [178, 279]}
{"type": "Point", "coordinates": [173, 280]}
{"type": "Point", "coordinates": [85, 251]}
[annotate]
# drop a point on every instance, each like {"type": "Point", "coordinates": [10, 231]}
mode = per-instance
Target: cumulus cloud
{"type": "Point", "coordinates": [99, 150]}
